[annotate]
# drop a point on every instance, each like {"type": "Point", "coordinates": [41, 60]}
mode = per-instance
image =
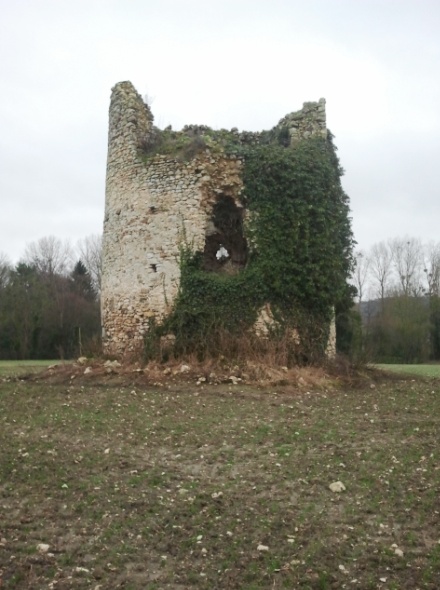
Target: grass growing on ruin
{"type": "Point", "coordinates": [219, 487]}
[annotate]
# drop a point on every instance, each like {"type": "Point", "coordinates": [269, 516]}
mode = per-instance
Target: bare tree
{"type": "Point", "coordinates": [50, 256]}
{"type": "Point", "coordinates": [432, 268]}
{"type": "Point", "coordinates": [90, 253]}
{"type": "Point", "coordinates": [361, 273]}
{"type": "Point", "coordinates": [407, 255]}
{"type": "Point", "coordinates": [5, 269]}
{"type": "Point", "coordinates": [381, 268]}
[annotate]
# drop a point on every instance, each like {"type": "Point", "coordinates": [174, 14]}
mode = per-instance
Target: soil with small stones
{"type": "Point", "coordinates": [141, 480]}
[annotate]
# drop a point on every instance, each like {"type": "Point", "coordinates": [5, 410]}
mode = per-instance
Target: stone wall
{"type": "Point", "coordinates": [157, 204]}
{"type": "Point", "coordinates": [310, 120]}
{"type": "Point", "coordinates": [152, 208]}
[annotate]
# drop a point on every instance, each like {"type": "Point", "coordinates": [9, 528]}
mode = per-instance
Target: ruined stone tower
{"type": "Point", "coordinates": [155, 204]}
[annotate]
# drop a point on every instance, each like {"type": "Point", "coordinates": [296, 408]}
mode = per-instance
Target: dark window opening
{"type": "Point", "coordinates": [153, 267]}
{"type": "Point", "coordinates": [225, 245]}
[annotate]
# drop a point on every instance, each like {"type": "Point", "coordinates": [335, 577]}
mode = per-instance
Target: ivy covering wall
{"type": "Point", "coordinates": [299, 257]}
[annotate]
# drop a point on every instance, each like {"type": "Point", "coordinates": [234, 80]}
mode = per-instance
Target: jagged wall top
{"type": "Point", "coordinates": [310, 120]}
{"type": "Point", "coordinates": [130, 121]}
{"type": "Point", "coordinates": [131, 126]}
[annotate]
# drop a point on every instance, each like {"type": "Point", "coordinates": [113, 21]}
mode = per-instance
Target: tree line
{"type": "Point", "coordinates": [398, 300]}
{"type": "Point", "coordinates": [49, 300]}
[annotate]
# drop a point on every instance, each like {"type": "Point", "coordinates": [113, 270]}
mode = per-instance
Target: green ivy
{"type": "Point", "coordinates": [300, 257]}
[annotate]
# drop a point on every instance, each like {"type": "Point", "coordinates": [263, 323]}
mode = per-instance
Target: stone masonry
{"type": "Point", "coordinates": [156, 205]}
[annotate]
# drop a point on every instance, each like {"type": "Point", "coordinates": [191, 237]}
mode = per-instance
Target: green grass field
{"type": "Point", "coordinates": [182, 486]}
{"type": "Point", "coordinates": [419, 370]}
{"type": "Point", "coordinates": [16, 368]}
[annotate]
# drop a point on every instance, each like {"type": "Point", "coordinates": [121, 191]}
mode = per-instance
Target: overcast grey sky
{"type": "Point", "coordinates": [223, 63]}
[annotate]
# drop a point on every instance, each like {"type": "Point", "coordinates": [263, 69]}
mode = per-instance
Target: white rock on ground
{"type": "Point", "coordinates": [43, 547]}
{"type": "Point", "coordinates": [112, 364]}
{"type": "Point", "coordinates": [337, 486]}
